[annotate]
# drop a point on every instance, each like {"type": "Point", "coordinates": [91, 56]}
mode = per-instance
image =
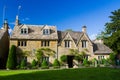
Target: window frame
{"type": "Point", "coordinates": [67, 43]}
{"type": "Point", "coordinates": [84, 43]}
{"type": "Point", "coordinates": [24, 31]}
{"type": "Point", "coordinates": [22, 43]}
{"type": "Point", "coordinates": [45, 43]}
{"type": "Point", "coordinates": [46, 31]}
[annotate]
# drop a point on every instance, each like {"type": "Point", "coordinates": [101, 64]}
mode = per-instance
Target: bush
{"type": "Point", "coordinates": [12, 60]}
{"type": "Point", "coordinates": [85, 62]}
{"type": "Point", "coordinates": [23, 64]}
{"type": "Point", "coordinates": [44, 65]}
{"type": "Point", "coordinates": [34, 64]}
{"type": "Point", "coordinates": [56, 64]}
{"type": "Point", "coordinates": [63, 58]}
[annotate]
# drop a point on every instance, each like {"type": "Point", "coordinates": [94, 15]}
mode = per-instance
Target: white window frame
{"type": "Point", "coordinates": [46, 31]}
{"type": "Point", "coordinates": [24, 31]}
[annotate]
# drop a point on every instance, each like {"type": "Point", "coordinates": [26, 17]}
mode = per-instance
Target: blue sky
{"type": "Point", "coordinates": [65, 14]}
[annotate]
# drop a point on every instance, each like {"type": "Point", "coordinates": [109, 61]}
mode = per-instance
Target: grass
{"type": "Point", "coordinates": [63, 74]}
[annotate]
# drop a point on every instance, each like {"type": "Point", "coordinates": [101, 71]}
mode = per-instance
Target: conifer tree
{"type": "Point", "coordinates": [12, 61]}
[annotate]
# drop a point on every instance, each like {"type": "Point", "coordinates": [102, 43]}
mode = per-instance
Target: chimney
{"type": "Point", "coordinates": [84, 29]}
{"type": "Point", "coordinates": [5, 26]}
{"type": "Point", "coordinates": [17, 21]}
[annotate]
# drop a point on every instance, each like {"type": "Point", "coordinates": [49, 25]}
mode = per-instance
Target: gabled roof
{"type": "Point", "coordinates": [1, 33]}
{"type": "Point", "coordinates": [100, 48]}
{"type": "Point", "coordinates": [34, 32]}
{"type": "Point", "coordinates": [74, 35]}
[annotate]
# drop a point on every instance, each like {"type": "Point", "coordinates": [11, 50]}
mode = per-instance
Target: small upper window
{"type": "Point", "coordinates": [67, 44]}
{"type": "Point", "coordinates": [84, 45]}
{"type": "Point", "coordinates": [24, 31]}
{"type": "Point", "coordinates": [46, 31]}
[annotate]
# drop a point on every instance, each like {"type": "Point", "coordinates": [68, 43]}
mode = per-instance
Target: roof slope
{"type": "Point", "coordinates": [74, 34]}
{"type": "Point", "coordinates": [100, 48]}
{"type": "Point", "coordinates": [34, 32]}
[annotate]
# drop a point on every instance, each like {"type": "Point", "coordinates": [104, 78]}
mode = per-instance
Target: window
{"type": "Point", "coordinates": [84, 44]}
{"type": "Point", "coordinates": [45, 43]}
{"type": "Point", "coordinates": [46, 31]}
{"type": "Point", "coordinates": [45, 58]}
{"type": "Point", "coordinates": [100, 57]}
{"type": "Point", "coordinates": [22, 43]}
{"type": "Point", "coordinates": [24, 31]}
{"type": "Point", "coordinates": [67, 43]}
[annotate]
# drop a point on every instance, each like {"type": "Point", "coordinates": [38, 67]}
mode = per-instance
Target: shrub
{"type": "Point", "coordinates": [23, 64]}
{"type": "Point", "coordinates": [63, 58]}
{"type": "Point", "coordinates": [18, 67]}
{"type": "Point", "coordinates": [34, 64]}
{"type": "Point", "coordinates": [56, 64]}
{"type": "Point", "coordinates": [85, 62]}
{"type": "Point", "coordinates": [44, 65]}
{"type": "Point", "coordinates": [12, 61]}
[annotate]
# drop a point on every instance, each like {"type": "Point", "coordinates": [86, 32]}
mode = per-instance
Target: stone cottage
{"type": "Point", "coordinates": [32, 37]}
{"type": "Point", "coordinates": [4, 44]}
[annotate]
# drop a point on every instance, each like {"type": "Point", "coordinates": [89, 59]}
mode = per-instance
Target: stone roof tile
{"type": "Point", "coordinates": [34, 32]}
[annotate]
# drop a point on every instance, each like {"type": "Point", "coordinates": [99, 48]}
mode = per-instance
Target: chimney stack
{"type": "Point", "coordinates": [84, 29]}
{"type": "Point", "coordinates": [17, 21]}
{"type": "Point", "coordinates": [5, 26]}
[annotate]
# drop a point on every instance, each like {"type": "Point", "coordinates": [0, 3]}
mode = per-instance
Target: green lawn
{"type": "Point", "coordinates": [63, 74]}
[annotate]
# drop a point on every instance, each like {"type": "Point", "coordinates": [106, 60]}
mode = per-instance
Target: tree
{"type": "Point", "coordinates": [39, 55]}
{"type": "Point", "coordinates": [42, 52]}
{"type": "Point", "coordinates": [111, 34]}
{"type": "Point", "coordinates": [78, 57]}
{"type": "Point", "coordinates": [12, 61]}
{"type": "Point", "coordinates": [74, 51]}
{"type": "Point", "coordinates": [112, 58]}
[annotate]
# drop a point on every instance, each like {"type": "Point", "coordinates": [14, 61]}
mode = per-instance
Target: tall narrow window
{"type": "Point", "coordinates": [45, 43]}
{"type": "Point", "coordinates": [67, 43]}
{"type": "Point", "coordinates": [84, 44]}
{"type": "Point", "coordinates": [46, 31]}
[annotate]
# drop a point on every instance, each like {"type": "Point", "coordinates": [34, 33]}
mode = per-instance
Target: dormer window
{"type": "Point", "coordinates": [46, 31]}
{"type": "Point", "coordinates": [24, 31]}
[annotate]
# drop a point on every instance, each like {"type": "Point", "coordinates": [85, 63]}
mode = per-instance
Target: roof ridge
{"type": "Point", "coordinates": [39, 25]}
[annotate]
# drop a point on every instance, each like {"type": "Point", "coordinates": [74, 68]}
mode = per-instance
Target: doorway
{"type": "Point", "coordinates": [70, 61]}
